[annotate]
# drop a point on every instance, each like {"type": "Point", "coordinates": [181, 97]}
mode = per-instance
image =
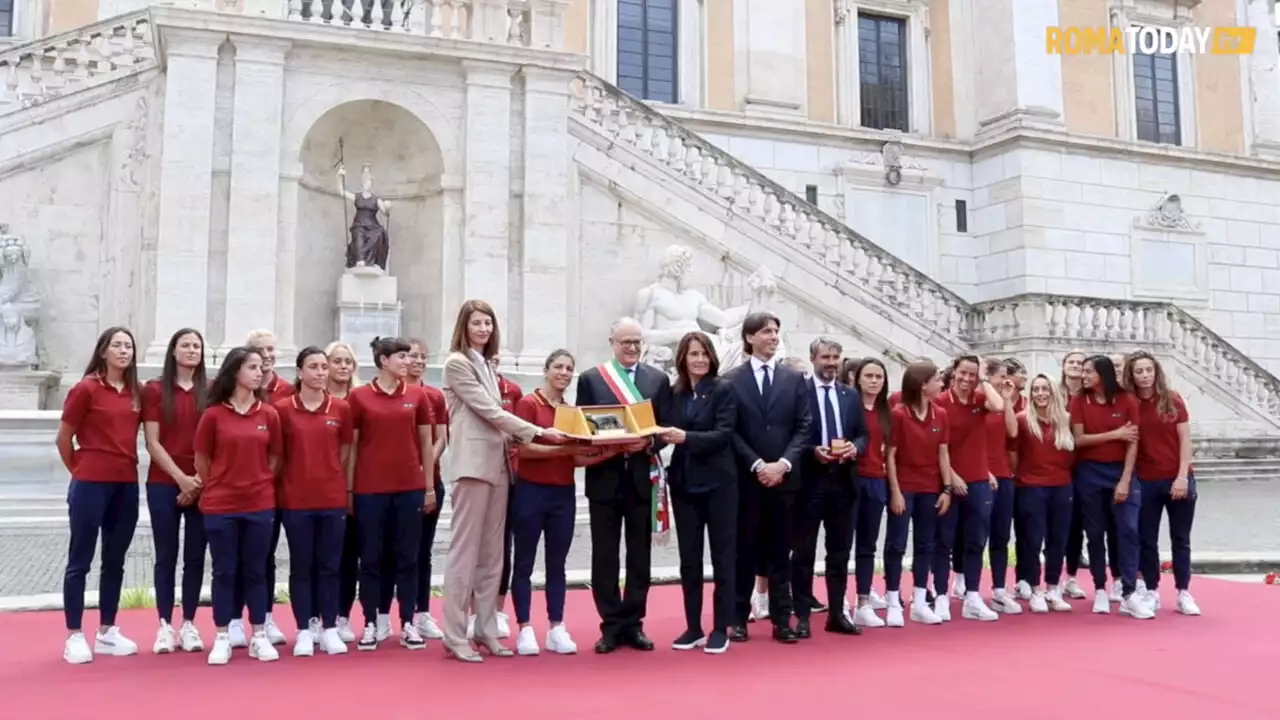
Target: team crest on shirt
{"type": "Point", "coordinates": [1116, 414]}
{"type": "Point", "coordinates": [408, 405]}
{"type": "Point", "coordinates": [333, 422]}
{"type": "Point", "coordinates": [262, 428]}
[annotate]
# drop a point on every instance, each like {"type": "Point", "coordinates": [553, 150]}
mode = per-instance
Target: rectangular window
{"type": "Point", "coordinates": [6, 18]}
{"type": "Point", "coordinates": [811, 194]}
{"type": "Point", "coordinates": [647, 49]}
{"type": "Point", "coordinates": [1155, 97]}
{"type": "Point", "coordinates": [962, 216]}
{"type": "Point", "coordinates": [882, 71]}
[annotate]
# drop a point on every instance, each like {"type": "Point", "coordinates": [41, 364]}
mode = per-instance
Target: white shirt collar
{"type": "Point", "coordinates": [757, 363]}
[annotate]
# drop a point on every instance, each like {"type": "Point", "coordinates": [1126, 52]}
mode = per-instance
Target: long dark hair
{"type": "Point", "coordinates": [224, 384]}
{"type": "Point", "coordinates": [303, 355]}
{"type": "Point", "coordinates": [881, 403]}
{"type": "Point", "coordinates": [169, 376]}
{"type": "Point", "coordinates": [98, 364]}
{"type": "Point", "coordinates": [914, 379]}
{"type": "Point", "coordinates": [683, 383]}
{"type": "Point", "coordinates": [1106, 372]}
{"type": "Point", "coordinates": [849, 371]}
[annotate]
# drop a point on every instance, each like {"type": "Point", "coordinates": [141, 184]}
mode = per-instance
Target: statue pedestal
{"type": "Point", "coordinates": [26, 389]}
{"type": "Point", "coordinates": [368, 307]}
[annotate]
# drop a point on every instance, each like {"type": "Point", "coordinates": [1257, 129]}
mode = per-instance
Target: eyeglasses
{"type": "Point", "coordinates": [628, 343]}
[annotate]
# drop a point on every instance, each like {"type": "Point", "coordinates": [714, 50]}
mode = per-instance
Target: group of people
{"type": "Point", "coordinates": [755, 461]}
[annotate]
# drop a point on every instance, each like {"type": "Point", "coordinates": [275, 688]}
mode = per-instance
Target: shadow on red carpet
{"type": "Point", "coordinates": [1076, 665]}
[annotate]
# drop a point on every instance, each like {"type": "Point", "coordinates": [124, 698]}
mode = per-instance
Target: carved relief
{"type": "Point", "coordinates": [1167, 215]}
{"type": "Point", "coordinates": [19, 303]}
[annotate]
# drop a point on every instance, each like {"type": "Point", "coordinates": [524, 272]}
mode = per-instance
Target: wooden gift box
{"type": "Point", "coordinates": [636, 421]}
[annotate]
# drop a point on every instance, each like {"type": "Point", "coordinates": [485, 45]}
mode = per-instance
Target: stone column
{"type": "Point", "coordinates": [253, 225]}
{"type": "Point", "coordinates": [544, 261]}
{"type": "Point", "coordinates": [1264, 78]}
{"type": "Point", "coordinates": [848, 107]}
{"type": "Point", "coordinates": [186, 182]}
{"type": "Point", "coordinates": [1021, 84]}
{"type": "Point", "coordinates": [287, 256]}
{"type": "Point", "coordinates": [486, 232]}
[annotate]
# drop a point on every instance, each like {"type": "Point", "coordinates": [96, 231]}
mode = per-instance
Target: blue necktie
{"type": "Point", "coordinates": [765, 384]}
{"type": "Point", "coordinates": [829, 411]}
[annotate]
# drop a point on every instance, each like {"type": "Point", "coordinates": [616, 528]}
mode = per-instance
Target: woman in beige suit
{"type": "Point", "coordinates": [479, 430]}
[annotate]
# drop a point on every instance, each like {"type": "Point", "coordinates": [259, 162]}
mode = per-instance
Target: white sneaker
{"type": "Point", "coordinates": [1186, 604]}
{"type": "Point", "coordinates": [1056, 602]}
{"type": "Point", "coordinates": [958, 590]}
{"type": "Point", "coordinates": [76, 651]}
{"type": "Point", "coordinates": [369, 639]}
{"type": "Point", "coordinates": [305, 644]}
{"type": "Point", "coordinates": [975, 609]}
{"type": "Point", "coordinates": [1002, 602]}
{"type": "Point", "coordinates": [331, 642]}
{"type": "Point", "coordinates": [262, 648]}
{"type": "Point", "coordinates": [1101, 603]}
{"type": "Point", "coordinates": [113, 642]}
{"type": "Point", "coordinates": [527, 641]}
{"type": "Point", "coordinates": [877, 602]}
{"type": "Point", "coordinates": [866, 617]}
{"type": "Point", "coordinates": [1073, 589]}
{"type": "Point", "coordinates": [1117, 591]}
{"type": "Point", "coordinates": [920, 610]}
{"type": "Point", "coordinates": [165, 639]}
{"type": "Point", "coordinates": [893, 616]}
{"type": "Point", "coordinates": [845, 610]}
{"type": "Point", "coordinates": [1141, 586]}
{"type": "Point", "coordinates": [1039, 604]}
{"type": "Point", "coordinates": [1153, 599]}
{"type": "Point", "coordinates": [189, 637]}
{"type": "Point", "coordinates": [560, 642]}
{"type": "Point", "coordinates": [410, 637]}
{"type": "Point", "coordinates": [1136, 607]}
{"type": "Point", "coordinates": [235, 631]}
{"type": "Point", "coordinates": [316, 628]}
{"type": "Point", "coordinates": [941, 608]}
{"type": "Point", "coordinates": [273, 633]}
{"type": "Point", "coordinates": [471, 627]}
{"type": "Point", "coordinates": [759, 606]}
{"type": "Point", "coordinates": [504, 626]}
{"type": "Point", "coordinates": [1022, 590]}
{"type": "Point", "coordinates": [427, 626]}
{"type": "Point", "coordinates": [221, 652]}
{"type": "Point", "coordinates": [384, 627]}
{"type": "Point", "coordinates": [344, 631]}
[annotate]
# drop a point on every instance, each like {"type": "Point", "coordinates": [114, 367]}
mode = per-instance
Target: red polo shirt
{"type": "Point", "coordinates": [1019, 404]}
{"type": "Point", "coordinates": [871, 462]}
{"type": "Point", "coordinates": [1040, 463]}
{"type": "Point", "coordinates": [1098, 418]}
{"type": "Point", "coordinates": [177, 432]}
{"type": "Point", "coordinates": [105, 422]}
{"type": "Point", "coordinates": [510, 392]}
{"type": "Point", "coordinates": [239, 448]}
{"type": "Point", "coordinates": [997, 445]}
{"type": "Point", "coordinates": [968, 434]}
{"type": "Point", "coordinates": [536, 409]}
{"type": "Point", "coordinates": [917, 442]}
{"type": "Point", "coordinates": [440, 412]}
{"type": "Point", "coordinates": [388, 453]}
{"type": "Point", "coordinates": [313, 477]}
{"type": "Point", "coordinates": [1159, 450]}
{"type": "Point", "coordinates": [277, 389]}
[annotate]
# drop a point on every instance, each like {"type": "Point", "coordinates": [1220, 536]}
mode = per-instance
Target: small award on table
{"type": "Point", "coordinates": [607, 424]}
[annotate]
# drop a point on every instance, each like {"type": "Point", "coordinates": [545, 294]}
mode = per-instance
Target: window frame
{"type": "Point", "coordinates": [690, 48]}
{"type": "Point", "coordinates": [879, 21]}
{"type": "Point", "coordinates": [915, 13]}
{"type": "Point", "coordinates": [1139, 58]}
{"type": "Point", "coordinates": [1153, 13]}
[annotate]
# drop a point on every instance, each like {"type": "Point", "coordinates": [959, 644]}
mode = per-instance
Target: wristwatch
{"type": "Point", "coordinates": [946, 489]}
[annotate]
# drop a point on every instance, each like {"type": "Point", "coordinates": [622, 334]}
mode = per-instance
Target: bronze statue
{"type": "Point", "coordinates": [369, 243]}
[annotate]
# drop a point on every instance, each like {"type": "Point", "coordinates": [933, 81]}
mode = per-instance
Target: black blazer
{"type": "Point", "coordinates": [705, 460]}
{"type": "Point", "coordinates": [607, 480]}
{"type": "Point", "coordinates": [774, 429]}
{"type": "Point", "coordinates": [849, 406]}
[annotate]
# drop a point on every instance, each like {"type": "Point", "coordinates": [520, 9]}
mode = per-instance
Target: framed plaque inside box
{"type": "Point", "coordinates": [607, 424]}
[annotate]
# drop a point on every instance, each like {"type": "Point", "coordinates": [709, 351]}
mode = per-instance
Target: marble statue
{"type": "Point", "coordinates": [19, 303]}
{"type": "Point", "coordinates": [667, 310]}
{"type": "Point", "coordinates": [369, 243]}
{"type": "Point", "coordinates": [763, 287]}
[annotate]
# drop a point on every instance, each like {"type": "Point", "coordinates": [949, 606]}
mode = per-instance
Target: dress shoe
{"type": "Point", "coordinates": [738, 633]}
{"type": "Point", "coordinates": [839, 624]}
{"type": "Point", "coordinates": [802, 629]}
{"type": "Point", "coordinates": [784, 634]}
{"type": "Point", "coordinates": [606, 645]}
{"type": "Point", "coordinates": [816, 607]}
{"type": "Point", "coordinates": [638, 641]}
{"type": "Point", "coordinates": [495, 648]}
{"type": "Point", "coordinates": [466, 653]}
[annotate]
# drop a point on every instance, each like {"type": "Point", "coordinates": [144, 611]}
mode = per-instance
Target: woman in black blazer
{"type": "Point", "coordinates": [703, 478]}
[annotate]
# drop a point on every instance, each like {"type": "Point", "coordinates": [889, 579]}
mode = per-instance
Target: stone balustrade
{"type": "Point", "coordinates": [1121, 325]}
{"type": "Point", "coordinates": [524, 23]}
{"type": "Point", "coordinates": [39, 71]}
{"type": "Point", "coordinates": [879, 277]}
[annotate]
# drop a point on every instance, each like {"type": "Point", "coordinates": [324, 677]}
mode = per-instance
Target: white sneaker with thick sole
{"type": "Point", "coordinates": [1004, 603]}
{"type": "Point", "coordinates": [331, 642]}
{"type": "Point", "coordinates": [316, 628]}
{"type": "Point", "coordinates": [1056, 602]}
{"type": "Point", "coordinates": [383, 630]}
{"type": "Point", "coordinates": [368, 639]}
{"type": "Point", "coordinates": [1101, 603]}
{"type": "Point", "coordinates": [166, 640]}
{"type": "Point", "coordinates": [941, 607]}
{"type": "Point", "coordinates": [305, 644]}
{"type": "Point", "coordinates": [1117, 591]}
{"type": "Point", "coordinates": [527, 642]}
{"type": "Point", "coordinates": [866, 617]}
{"type": "Point", "coordinates": [236, 634]}
{"type": "Point", "coordinates": [1073, 590]}
{"type": "Point", "coordinates": [1038, 602]}
{"type": "Point", "coordinates": [877, 602]}
{"type": "Point", "coordinates": [113, 642]}
{"type": "Point", "coordinates": [958, 589]}
{"type": "Point", "coordinates": [427, 626]}
{"type": "Point", "coordinates": [974, 608]}
{"type": "Point", "coordinates": [893, 616]}
{"type": "Point", "coordinates": [1022, 590]}
{"type": "Point", "coordinates": [261, 648]}
{"type": "Point", "coordinates": [221, 652]}
{"type": "Point", "coordinates": [504, 626]}
{"type": "Point", "coordinates": [923, 614]}
{"type": "Point", "coordinates": [1136, 607]}
{"type": "Point", "coordinates": [274, 635]}
{"type": "Point", "coordinates": [410, 637]}
{"type": "Point", "coordinates": [1186, 604]}
{"type": "Point", "coordinates": [560, 642]}
{"type": "Point", "coordinates": [76, 651]}
{"type": "Point", "coordinates": [345, 633]}
{"type": "Point", "coordinates": [189, 637]}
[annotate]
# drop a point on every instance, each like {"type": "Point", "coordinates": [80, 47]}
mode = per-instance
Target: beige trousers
{"type": "Point", "coordinates": [473, 569]}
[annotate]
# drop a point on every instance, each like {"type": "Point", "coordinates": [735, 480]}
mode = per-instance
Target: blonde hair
{"type": "Point", "coordinates": [1059, 420]}
{"type": "Point", "coordinates": [355, 362]}
{"type": "Point", "coordinates": [256, 336]}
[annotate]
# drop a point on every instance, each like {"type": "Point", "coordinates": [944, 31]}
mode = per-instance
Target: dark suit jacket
{"type": "Point", "coordinates": [705, 460]}
{"type": "Point", "coordinates": [849, 405]}
{"type": "Point", "coordinates": [606, 480]}
{"type": "Point", "coordinates": [773, 429]}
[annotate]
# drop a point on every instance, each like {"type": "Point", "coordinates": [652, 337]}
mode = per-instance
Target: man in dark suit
{"type": "Point", "coordinates": [827, 491]}
{"type": "Point", "coordinates": [772, 429]}
{"type": "Point", "coordinates": [619, 491]}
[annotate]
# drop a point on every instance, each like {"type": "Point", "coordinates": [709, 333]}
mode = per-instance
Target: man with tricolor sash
{"type": "Point", "coordinates": [627, 495]}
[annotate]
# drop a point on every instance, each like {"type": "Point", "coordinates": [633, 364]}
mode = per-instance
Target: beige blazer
{"type": "Point", "coordinates": [479, 428]}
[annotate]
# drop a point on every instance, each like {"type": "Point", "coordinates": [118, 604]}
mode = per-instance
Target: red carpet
{"type": "Point", "coordinates": [1074, 665]}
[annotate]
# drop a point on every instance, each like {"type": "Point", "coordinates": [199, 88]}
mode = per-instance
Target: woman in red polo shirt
{"type": "Point", "coordinates": [1104, 420]}
{"type": "Point", "coordinates": [870, 380]}
{"type": "Point", "coordinates": [422, 619]}
{"type": "Point", "coordinates": [98, 443]}
{"type": "Point", "coordinates": [1070, 385]}
{"type": "Point", "coordinates": [918, 466]}
{"type": "Point", "coordinates": [511, 394]}
{"type": "Point", "coordinates": [1163, 466]}
{"type": "Point", "coordinates": [1044, 456]}
{"type": "Point", "coordinates": [238, 444]}
{"type": "Point", "coordinates": [344, 376]}
{"type": "Point", "coordinates": [171, 408]}
{"type": "Point", "coordinates": [316, 429]}
{"type": "Point", "coordinates": [387, 475]}
{"type": "Point", "coordinates": [1001, 428]}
